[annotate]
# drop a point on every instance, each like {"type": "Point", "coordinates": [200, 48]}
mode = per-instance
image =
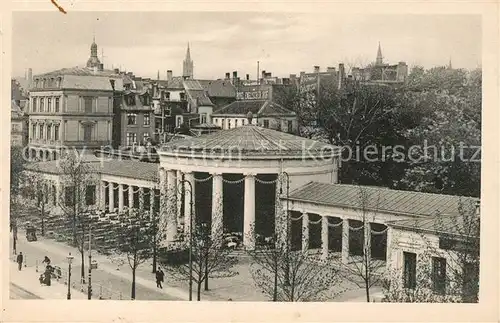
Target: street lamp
{"type": "Point", "coordinates": [70, 260]}
{"type": "Point", "coordinates": [190, 234]}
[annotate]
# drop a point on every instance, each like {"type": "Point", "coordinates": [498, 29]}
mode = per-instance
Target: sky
{"type": "Point", "coordinates": [284, 43]}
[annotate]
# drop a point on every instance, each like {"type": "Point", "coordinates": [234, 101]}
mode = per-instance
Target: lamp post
{"type": "Point", "coordinates": [70, 260]}
{"type": "Point", "coordinates": [89, 289]}
{"type": "Point", "coordinates": [190, 234]}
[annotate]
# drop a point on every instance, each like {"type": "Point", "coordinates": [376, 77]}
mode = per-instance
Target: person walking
{"type": "Point", "coordinates": [159, 278]}
{"type": "Point", "coordinates": [19, 260]}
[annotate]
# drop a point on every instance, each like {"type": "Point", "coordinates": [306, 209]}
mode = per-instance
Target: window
{"type": "Point", "coordinates": [56, 132]}
{"type": "Point", "coordinates": [470, 288]}
{"type": "Point", "coordinates": [131, 119]}
{"type": "Point", "coordinates": [229, 123]}
{"type": "Point", "coordinates": [130, 99]}
{"type": "Point", "coordinates": [34, 104]}
{"type": "Point", "coordinates": [41, 104]}
{"type": "Point", "coordinates": [33, 131]}
{"type": "Point", "coordinates": [147, 119]}
{"type": "Point", "coordinates": [131, 138]}
{"type": "Point", "coordinates": [439, 275]}
{"type": "Point", "coordinates": [290, 126]}
{"type": "Point", "coordinates": [69, 195]}
{"type": "Point", "coordinates": [410, 270]}
{"type": "Point", "coordinates": [266, 123]}
{"type": "Point", "coordinates": [278, 125]}
{"type": "Point", "coordinates": [49, 132]}
{"type": "Point", "coordinates": [90, 195]}
{"type": "Point", "coordinates": [49, 105]}
{"type": "Point", "coordinates": [87, 132]}
{"type": "Point", "coordinates": [182, 96]}
{"type": "Point", "coordinates": [87, 103]}
{"type": "Point", "coordinates": [57, 105]}
{"type": "Point", "coordinates": [40, 132]}
{"type": "Point", "coordinates": [145, 137]}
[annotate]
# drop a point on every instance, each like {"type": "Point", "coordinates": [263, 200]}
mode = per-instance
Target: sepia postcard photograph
{"type": "Point", "coordinates": [227, 156]}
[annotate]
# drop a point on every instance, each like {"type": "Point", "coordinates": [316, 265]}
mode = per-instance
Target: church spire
{"type": "Point", "coordinates": [379, 60]}
{"type": "Point", "coordinates": [187, 66]}
{"type": "Point", "coordinates": [449, 64]}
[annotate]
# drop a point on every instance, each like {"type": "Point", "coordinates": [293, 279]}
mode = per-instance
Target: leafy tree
{"type": "Point", "coordinates": [17, 178]}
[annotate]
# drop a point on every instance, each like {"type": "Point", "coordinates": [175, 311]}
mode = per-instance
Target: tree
{"type": "Point", "coordinates": [291, 276]}
{"type": "Point", "coordinates": [364, 270]}
{"type": "Point", "coordinates": [77, 176]}
{"type": "Point", "coordinates": [17, 178]}
{"type": "Point", "coordinates": [210, 258]}
{"type": "Point", "coordinates": [448, 262]}
{"type": "Point", "coordinates": [134, 241]}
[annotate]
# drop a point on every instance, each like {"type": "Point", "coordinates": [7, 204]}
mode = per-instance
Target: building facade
{"type": "Point", "coordinates": [72, 108]}
{"type": "Point", "coordinates": [19, 126]}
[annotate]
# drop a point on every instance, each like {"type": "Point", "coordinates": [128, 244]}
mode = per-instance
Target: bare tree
{"type": "Point", "coordinates": [363, 270]}
{"type": "Point", "coordinates": [77, 176]}
{"type": "Point", "coordinates": [210, 257]}
{"type": "Point", "coordinates": [291, 276]}
{"type": "Point", "coordinates": [447, 269]}
{"type": "Point", "coordinates": [134, 241]}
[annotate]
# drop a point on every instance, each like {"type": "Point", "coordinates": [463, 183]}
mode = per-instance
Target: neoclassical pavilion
{"type": "Point", "coordinates": [237, 176]}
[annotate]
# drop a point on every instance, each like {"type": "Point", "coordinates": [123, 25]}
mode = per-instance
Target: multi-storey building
{"type": "Point", "coordinates": [72, 108]}
{"type": "Point", "coordinates": [19, 126]}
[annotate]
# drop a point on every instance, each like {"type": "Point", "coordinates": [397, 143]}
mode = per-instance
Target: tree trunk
{"type": "Point", "coordinates": [206, 272]}
{"type": "Point", "coordinates": [154, 257]}
{"type": "Point", "coordinates": [275, 290]}
{"type": "Point", "coordinates": [132, 295]}
{"type": "Point", "coordinates": [83, 264]}
{"type": "Point", "coordinates": [198, 297]}
{"type": "Point", "coordinates": [43, 216]}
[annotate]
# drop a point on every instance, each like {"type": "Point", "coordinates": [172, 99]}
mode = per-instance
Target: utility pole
{"type": "Point", "coordinates": [89, 289]}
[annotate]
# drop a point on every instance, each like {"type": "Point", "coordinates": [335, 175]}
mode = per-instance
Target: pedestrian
{"type": "Point", "coordinates": [159, 278]}
{"type": "Point", "coordinates": [20, 260]}
{"type": "Point", "coordinates": [46, 261]}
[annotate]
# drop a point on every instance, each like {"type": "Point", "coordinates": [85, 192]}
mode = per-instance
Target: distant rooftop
{"type": "Point", "coordinates": [256, 107]}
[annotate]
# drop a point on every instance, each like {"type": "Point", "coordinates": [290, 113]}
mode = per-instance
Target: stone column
{"type": "Point", "coordinates": [111, 192]}
{"type": "Point", "coordinates": [102, 198]}
{"type": "Point", "coordinates": [151, 202]}
{"type": "Point", "coordinates": [345, 241]}
{"type": "Point", "coordinates": [180, 216]}
{"type": "Point", "coordinates": [59, 198]}
{"type": "Point", "coordinates": [388, 248]}
{"type": "Point", "coordinates": [120, 198]}
{"type": "Point", "coordinates": [367, 239]}
{"type": "Point", "coordinates": [187, 206]}
{"type": "Point", "coordinates": [217, 206]}
{"type": "Point", "coordinates": [305, 231]}
{"type": "Point", "coordinates": [249, 212]}
{"type": "Point", "coordinates": [324, 237]}
{"type": "Point", "coordinates": [171, 205]}
{"type": "Point", "coordinates": [141, 199]}
{"type": "Point", "coordinates": [162, 221]}
{"type": "Point", "coordinates": [130, 197]}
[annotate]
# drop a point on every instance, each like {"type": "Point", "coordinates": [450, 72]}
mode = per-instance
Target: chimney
{"type": "Point", "coordinates": [330, 69]}
{"type": "Point", "coordinates": [30, 77]}
{"type": "Point", "coordinates": [316, 69]}
{"type": "Point", "coordinates": [341, 76]}
{"type": "Point", "coordinates": [117, 71]}
{"type": "Point", "coordinates": [235, 75]}
{"type": "Point", "coordinates": [263, 74]}
{"type": "Point", "coordinates": [101, 67]}
{"type": "Point", "coordinates": [248, 77]}
{"type": "Point", "coordinates": [228, 76]}
{"type": "Point", "coordinates": [169, 75]}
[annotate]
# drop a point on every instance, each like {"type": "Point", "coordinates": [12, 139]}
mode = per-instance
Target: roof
{"type": "Point", "coordinates": [123, 168]}
{"type": "Point", "coordinates": [218, 88]}
{"type": "Point", "coordinates": [199, 97]}
{"type": "Point", "coordinates": [80, 71]}
{"type": "Point", "coordinates": [379, 199]}
{"type": "Point", "coordinates": [251, 140]}
{"type": "Point", "coordinates": [175, 83]}
{"type": "Point", "coordinates": [456, 224]}
{"type": "Point", "coordinates": [257, 107]}
{"type": "Point", "coordinates": [137, 98]}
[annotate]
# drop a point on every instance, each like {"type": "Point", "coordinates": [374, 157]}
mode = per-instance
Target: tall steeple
{"type": "Point", "coordinates": [449, 64]}
{"type": "Point", "coordinates": [187, 66]}
{"type": "Point", "coordinates": [379, 60]}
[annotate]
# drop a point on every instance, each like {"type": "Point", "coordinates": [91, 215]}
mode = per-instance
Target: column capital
{"type": "Point", "coordinates": [250, 174]}
{"type": "Point", "coordinates": [217, 174]}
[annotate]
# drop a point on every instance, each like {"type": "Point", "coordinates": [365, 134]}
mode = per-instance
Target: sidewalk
{"type": "Point", "coordinates": [27, 279]}
{"type": "Point", "coordinates": [122, 273]}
